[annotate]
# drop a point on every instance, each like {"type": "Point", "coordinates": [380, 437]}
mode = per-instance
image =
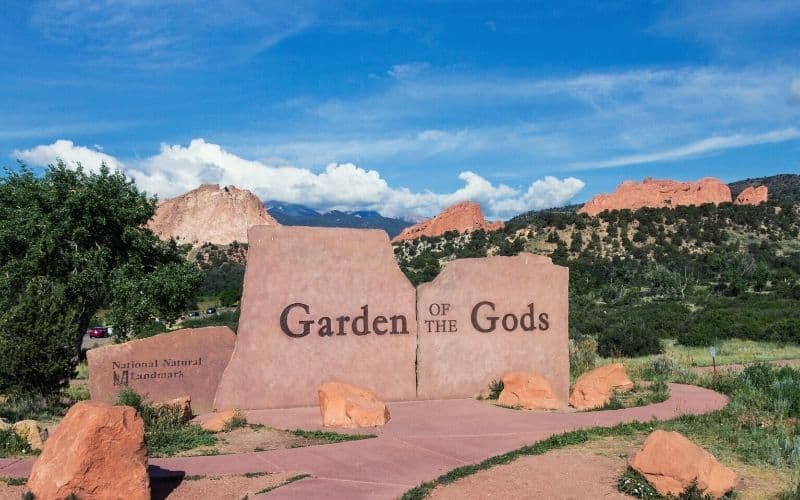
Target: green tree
{"type": "Point", "coordinates": [36, 339]}
{"type": "Point", "coordinates": [85, 233]}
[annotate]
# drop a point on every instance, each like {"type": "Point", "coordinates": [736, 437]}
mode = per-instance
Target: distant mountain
{"type": "Point", "coordinates": [292, 214]}
{"type": "Point", "coordinates": [289, 209]}
{"type": "Point", "coordinates": [783, 188]}
{"type": "Point", "coordinates": [209, 214]}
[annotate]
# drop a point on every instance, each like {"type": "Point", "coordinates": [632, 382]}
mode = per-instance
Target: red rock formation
{"type": "Point", "coordinates": [462, 217]}
{"type": "Point", "coordinates": [345, 405]}
{"type": "Point", "coordinates": [593, 389]}
{"type": "Point", "coordinates": [671, 463]}
{"type": "Point", "coordinates": [210, 214]}
{"type": "Point", "coordinates": [528, 390]}
{"type": "Point", "coordinates": [752, 196]}
{"type": "Point", "coordinates": [96, 451]}
{"type": "Point", "coordinates": [658, 194]}
{"type": "Point", "coordinates": [219, 421]}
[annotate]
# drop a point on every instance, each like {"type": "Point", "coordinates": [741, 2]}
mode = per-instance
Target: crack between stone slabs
{"type": "Point", "coordinates": [445, 455]}
{"type": "Point", "coordinates": [341, 480]}
{"type": "Point", "coordinates": [497, 434]}
{"type": "Point", "coordinates": [5, 465]}
{"type": "Point", "coordinates": [266, 461]}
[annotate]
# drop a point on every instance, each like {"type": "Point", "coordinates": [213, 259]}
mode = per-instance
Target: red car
{"type": "Point", "coordinates": [98, 332]}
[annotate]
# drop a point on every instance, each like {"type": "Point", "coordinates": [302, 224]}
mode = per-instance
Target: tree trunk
{"type": "Point", "coordinates": [83, 325]}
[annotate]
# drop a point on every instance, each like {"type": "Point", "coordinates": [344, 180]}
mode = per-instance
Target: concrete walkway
{"type": "Point", "coordinates": [423, 440]}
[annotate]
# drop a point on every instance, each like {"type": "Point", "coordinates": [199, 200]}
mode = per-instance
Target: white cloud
{"type": "Point", "coordinates": [170, 34]}
{"type": "Point", "coordinates": [345, 186]}
{"type": "Point", "coordinates": [704, 146]}
{"type": "Point", "coordinates": [67, 151]}
{"type": "Point", "coordinates": [401, 71]}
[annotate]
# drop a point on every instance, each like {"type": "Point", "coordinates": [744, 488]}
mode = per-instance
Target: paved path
{"type": "Point", "coordinates": [423, 440]}
{"type": "Point", "coordinates": [737, 367]}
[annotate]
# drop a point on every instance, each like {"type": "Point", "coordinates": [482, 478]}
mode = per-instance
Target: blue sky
{"type": "Point", "coordinates": [404, 107]}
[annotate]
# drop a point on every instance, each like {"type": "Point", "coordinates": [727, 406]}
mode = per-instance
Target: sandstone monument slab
{"type": "Point", "coordinates": [320, 304]}
{"type": "Point", "coordinates": [482, 318]}
{"type": "Point", "coordinates": [182, 363]}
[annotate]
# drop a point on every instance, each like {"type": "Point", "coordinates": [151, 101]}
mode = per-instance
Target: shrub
{"type": "Point", "coordinates": [37, 354]}
{"type": "Point", "coordinates": [495, 388]}
{"type": "Point", "coordinates": [238, 420]}
{"type": "Point", "coordinates": [659, 367]}
{"type": "Point", "coordinates": [582, 354]}
{"type": "Point", "coordinates": [11, 444]}
{"type": "Point", "coordinates": [165, 431]}
{"type": "Point", "coordinates": [631, 339]}
{"type": "Point", "coordinates": [227, 318]}
{"type": "Point", "coordinates": [22, 406]}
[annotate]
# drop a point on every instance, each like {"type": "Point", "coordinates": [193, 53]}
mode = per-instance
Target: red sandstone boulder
{"type": "Point", "coordinates": [659, 194]}
{"type": "Point", "coordinates": [30, 431]}
{"type": "Point", "coordinates": [219, 421]}
{"type": "Point", "coordinates": [183, 402]}
{"type": "Point", "coordinates": [96, 452]}
{"type": "Point", "coordinates": [345, 405]}
{"type": "Point", "coordinates": [671, 463]}
{"type": "Point", "coordinates": [210, 214]}
{"type": "Point", "coordinates": [528, 390]}
{"type": "Point", "coordinates": [752, 196]}
{"type": "Point", "coordinates": [594, 388]}
{"type": "Point", "coordinates": [462, 217]}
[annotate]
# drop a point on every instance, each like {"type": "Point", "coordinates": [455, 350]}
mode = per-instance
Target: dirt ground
{"type": "Point", "coordinates": [590, 470]}
{"type": "Point", "coordinates": [233, 487]}
{"type": "Point", "coordinates": [560, 474]}
{"type": "Point", "coordinates": [252, 438]}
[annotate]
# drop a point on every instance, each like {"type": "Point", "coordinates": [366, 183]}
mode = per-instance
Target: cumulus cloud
{"type": "Point", "coordinates": [344, 186]}
{"type": "Point", "coordinates": [90, 159]}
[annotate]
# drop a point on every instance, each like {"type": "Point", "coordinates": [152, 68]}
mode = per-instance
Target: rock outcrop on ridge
{"type": "Point", "coordinates": [659, 194]}
{"type": "Point", "coordinates": [462, 217]}
{"type": "Point", "coordinates": [752, 196]}
{"type": "Point", "coordinates": [210, 214]}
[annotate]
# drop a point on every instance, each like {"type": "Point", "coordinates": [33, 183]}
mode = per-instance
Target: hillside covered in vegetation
{"type": "Point", "coordinates": [694, 274]}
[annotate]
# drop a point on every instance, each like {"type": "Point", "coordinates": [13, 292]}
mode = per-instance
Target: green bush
{"type": "Point", "coordinates": [754, 318]}
{"type": "Point", "coordinates": [37, 354]}
{"type": "Point", "coordinates": [227, 318]}
{"type": "Point", "coordinates": [11, 444]}
{"type": "Point", "coordinates": [582, 355]}
{"type": "Point", "coordinates": [630, 339]}
{"type": "Point", "coordinates": [495, 388]}
{"type": "Point", "coordinates": [165, 431]}
{"type": "Point", "coordinates": [34, 406]}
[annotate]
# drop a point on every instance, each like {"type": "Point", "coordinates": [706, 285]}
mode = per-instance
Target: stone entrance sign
{"type": "Point", "coordinates": [164, 367]}
{"type": "Point", "coordinates": [482, 318]}
{"type": "Point", "coordinates": [320, 305]}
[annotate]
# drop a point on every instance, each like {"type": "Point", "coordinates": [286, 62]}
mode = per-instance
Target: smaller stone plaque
{"type": "Point", "coordinates": [481, 319]}
{"type": "Point", "coordinates": [166, 366]}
